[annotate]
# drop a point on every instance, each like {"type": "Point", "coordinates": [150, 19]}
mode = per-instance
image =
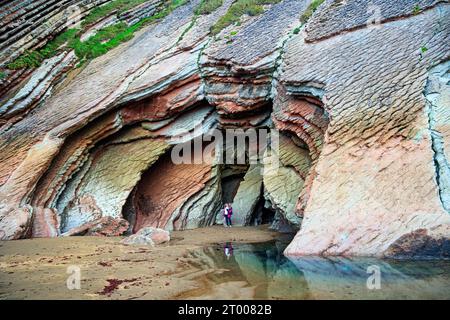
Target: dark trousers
{"type": "Point", "coordinates": [228, 220]}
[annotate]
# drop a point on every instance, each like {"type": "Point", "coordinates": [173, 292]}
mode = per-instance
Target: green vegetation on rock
{"type": "Point", "coordinates": [104, 40]}
{"type": "Point", "coordinates": [310, 10]}
{"type": "Point", "coordinates": [111, 36]}
{"type": "Point", "coordinates": [107, 9]}
{"type": "Point", "coordinates": [416, 9]}
{"type": "Point", "coordinates": [173, 4]}
{"type": "Point", "coordinates": [237, 10]}
{"type": "Point", "coordinates": [208, 6]}
{"type": "Point", "coordinates": [33, 59]}
{"type": "Point", "coordinates": [205, 7]}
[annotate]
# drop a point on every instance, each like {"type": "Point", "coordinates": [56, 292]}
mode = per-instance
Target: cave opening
{"type": "Point", "coordinates": [159, 197]}
{"type": "Point", "coordinates": [230, 185]}
{"type": "Point", "coordinates": [263, 212]}
{"type": "Point", "coordinates": [177, 196]}
{"type": "Point", "coordinates": [188, 195]}
{"type": "Point", "coordinates": [267, 216]}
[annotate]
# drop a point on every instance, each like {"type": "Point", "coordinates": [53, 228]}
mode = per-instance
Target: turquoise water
{"type": "Point", "coordinates": [261, 271]}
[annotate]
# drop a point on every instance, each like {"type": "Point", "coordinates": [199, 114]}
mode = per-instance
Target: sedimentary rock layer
{"type": "Point", "coordinates": [360, 108]}
{"type": "Point", "coordinates": [375, 177]}
{"type": "Point", "coordinates": [29, 24]}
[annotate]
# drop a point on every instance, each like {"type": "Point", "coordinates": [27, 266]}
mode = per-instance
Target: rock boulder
{"type": "Point", "coordinates": [148, 236]}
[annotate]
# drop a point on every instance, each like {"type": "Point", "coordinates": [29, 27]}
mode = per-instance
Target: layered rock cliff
{"type": "Point", "coordinates": [97, 95]}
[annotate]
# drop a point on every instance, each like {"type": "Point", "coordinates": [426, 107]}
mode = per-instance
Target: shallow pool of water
{"type": "Point", "coordinates": [261, 271]}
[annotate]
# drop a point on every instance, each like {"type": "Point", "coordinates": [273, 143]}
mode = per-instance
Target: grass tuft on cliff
{"type": "Point", "coordinates": [33, 59]}
{"type": "Point", "coordinates": [104, 40]}
{"type": "Point", "coordinates": [110, 37]}
{"type": "Point", "coordinates": [310, 10]}
{"type": "Point", "coordinates": [237, 10]}
{"type": "Point", "coordinates": [208, 6]}
{"type": "Point", "coordinates": [107, 9]}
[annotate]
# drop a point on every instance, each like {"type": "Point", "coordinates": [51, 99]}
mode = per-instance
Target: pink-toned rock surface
{"type": "Point", "coordinates": [105, 226]}
{"type": "Point", "coordinates": [164, 188]}
{"type": "Point", "coordinates": [45, 223]}
{"type": "Point", "coordinates": [365, 108]}
{"type": "Point", "coordinates": [148, 236]}
{"type": "Point", "coordinates": [376, 175]}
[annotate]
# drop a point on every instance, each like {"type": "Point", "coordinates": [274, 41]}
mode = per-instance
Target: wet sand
{"type": "Point", "coordinates": [40, 268]}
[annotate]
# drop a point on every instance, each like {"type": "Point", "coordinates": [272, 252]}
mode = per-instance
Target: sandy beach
{"type": "Point", "coordinates": [39, 268]}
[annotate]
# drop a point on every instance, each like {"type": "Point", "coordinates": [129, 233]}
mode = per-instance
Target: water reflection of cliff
{"type": "Point", "coordinates": [342, 278]}
{"type": "Point", "coordinates": [261, 271]}
{"type": "Point", "coordinates": [263, 268]}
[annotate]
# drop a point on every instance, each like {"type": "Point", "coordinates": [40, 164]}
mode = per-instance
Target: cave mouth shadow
{"type": "Point", "coordinates": [263, 213]}
{"type": "Point", "coordinates": [230, 185]}
{"type": "Point", "coordinates": [147, 202]}
{"type": "Point", "coordinates": [230, 177]}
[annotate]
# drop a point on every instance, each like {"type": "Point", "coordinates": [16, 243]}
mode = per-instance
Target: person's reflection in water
{"type": "Point", "coordinates": [228, 250]}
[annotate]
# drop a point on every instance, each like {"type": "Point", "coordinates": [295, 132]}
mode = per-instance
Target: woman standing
{"type": "Point", "coordinates": [228, 214]}
{"type": "Point", "coordinates": [224, 212]}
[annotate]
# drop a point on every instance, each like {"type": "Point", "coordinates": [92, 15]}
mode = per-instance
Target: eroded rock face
{"type": "Point", "coordinates": [238, 72]}
{"type": "Point", "coordinates": [421, 243]}
{"type": "Point", "coordinates": [165, 188]}
{"type": "Point", "coordinates": [375, 177]}
{"type": "Point", "coordinates": [247, 196]}
{"type": "Point", "coordinates": [26, 24]}
{"type": "Point", "coordinates": [104, 226]}
{"type": "Point", "coordinates": [361, 107]}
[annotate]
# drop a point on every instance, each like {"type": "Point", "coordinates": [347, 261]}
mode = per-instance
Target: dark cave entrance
{"type": "Point", "coordinates": [267, 215]}
{"type": "Point", "coordinates": [230, 186]}
{"type": "Point", "coordinates": [163, 187]}
{"type": "Point", "coordinates": [294, 158]}
{"type": "Point", "coordinates": [167, 184]}
{"type": "Point", "coordinates": [263, 212]}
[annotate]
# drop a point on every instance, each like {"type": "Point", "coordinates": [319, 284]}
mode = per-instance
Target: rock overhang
{"type": "Point", "coordinates": [322, 84]}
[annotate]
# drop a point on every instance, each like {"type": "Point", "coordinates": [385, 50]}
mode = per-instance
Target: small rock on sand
{"type": "Point", "coordinates": [148, 236]}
